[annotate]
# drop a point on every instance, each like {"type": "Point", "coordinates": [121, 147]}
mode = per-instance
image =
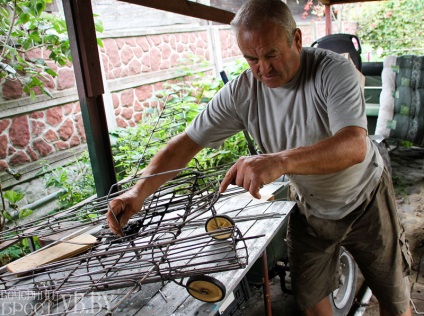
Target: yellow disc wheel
{"type": "Point", "coordinates": [205, 288]}
{"type": "Point", "coordinates": [219, 222]}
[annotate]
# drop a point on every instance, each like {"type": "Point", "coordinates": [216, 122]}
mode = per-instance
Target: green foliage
{"type": "Point", "coordinates": [392, 27]}
{"type": "Point", "coordinates": [25, 26]}
{"type": "Point", "coordinates": [17, 251]}
{"type": "Point", "coordinates": [236, 68]}
{"type": "Point", "coordinates": [136, 145]}
{"type": "Point", "coordinates": [184, 98]}
{"type": "Point", "coordinates": [76, 180]}
{"type": "Point", "coordinates": [13, 197]}
{"type": "Point", "coordinates": [234, 147]}
{"type": "Point", "coordinates": [192, 89]}
{"type": "Point", "coordinates": [22, 247]}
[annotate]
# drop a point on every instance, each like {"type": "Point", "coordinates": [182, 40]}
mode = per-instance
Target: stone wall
{"type": "Point", "coordinates": [133, 68]}
{"type": "Point", "coordinates": [134, 56]}
{"type": "Point", "coordinates": [30, 137]}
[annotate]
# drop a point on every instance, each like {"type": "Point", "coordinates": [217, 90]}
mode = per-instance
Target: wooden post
{"type": "Point", "coordinates": [328, 19]}
{"type": "Point", "coordinates": [86, 62]}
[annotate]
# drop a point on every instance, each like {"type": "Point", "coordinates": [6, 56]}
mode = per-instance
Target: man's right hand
{"type": "Point", "coordinates": [121, 209]}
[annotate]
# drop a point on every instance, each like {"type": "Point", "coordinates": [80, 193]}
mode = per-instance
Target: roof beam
{"type": "Point", "coordinates": [189, 8]}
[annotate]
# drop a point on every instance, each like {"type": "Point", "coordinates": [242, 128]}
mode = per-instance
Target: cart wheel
{"type": "Point", "coordinates": [205, 288]}
{"type": "Point", "coordinates": [341, 299]}
{"type": "Point", "coordinates": [219, 222]}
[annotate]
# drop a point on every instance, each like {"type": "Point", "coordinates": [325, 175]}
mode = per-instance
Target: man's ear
{"type": "Point", "coordinates": [297, 39]}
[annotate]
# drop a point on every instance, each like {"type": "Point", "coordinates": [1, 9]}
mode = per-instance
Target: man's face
{"type": "Point", "coordinates": [272, 60]}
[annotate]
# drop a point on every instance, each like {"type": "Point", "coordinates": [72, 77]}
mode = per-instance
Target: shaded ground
{"type": "Point", "coordinates": [408, 179]}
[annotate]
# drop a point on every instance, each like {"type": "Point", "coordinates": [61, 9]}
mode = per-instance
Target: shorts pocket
{"type": "Point", "coordinates": [406, 253]}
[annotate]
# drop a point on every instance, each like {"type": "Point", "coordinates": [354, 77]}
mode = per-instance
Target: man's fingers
{"type": "Point", "coordinates": [114, 216]}
{"type": "Point", "coordinates": [228, 179]}
{"type": "Point", "coordinates": [254, 189]}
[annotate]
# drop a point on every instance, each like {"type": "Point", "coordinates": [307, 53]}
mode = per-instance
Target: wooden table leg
{"type": "Point", "coordinates": [266, 290]}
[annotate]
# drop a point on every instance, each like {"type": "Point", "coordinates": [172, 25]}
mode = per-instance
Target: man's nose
{"type": "Point", "coordinates": [264, 66]}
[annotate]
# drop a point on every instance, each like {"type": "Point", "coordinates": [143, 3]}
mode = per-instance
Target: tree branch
{"type": "Point", "coordinates": [10, 29]}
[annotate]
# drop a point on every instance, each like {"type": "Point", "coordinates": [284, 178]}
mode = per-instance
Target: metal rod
{"type": "Point", "coordinates": [266, 289]}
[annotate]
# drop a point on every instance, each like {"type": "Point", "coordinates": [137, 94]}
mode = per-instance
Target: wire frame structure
{"type": "Point", "coordinates": [178, 201]}
{"type": "Point", "coordinates": [170, 122]}
{"type": "Point", "coordinates": [158, 245]}
{"type": "Point", "coordinates": [112, 265]}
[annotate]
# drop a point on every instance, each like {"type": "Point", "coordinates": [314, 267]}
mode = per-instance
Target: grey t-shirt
{"type": "Point", "coordinates": [324, 97]}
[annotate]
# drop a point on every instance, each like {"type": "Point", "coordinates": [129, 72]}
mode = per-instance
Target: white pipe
{"type": "Point", "coordinates": [39, 202]}
{"type": "Point", "coordinates": [364, 301]}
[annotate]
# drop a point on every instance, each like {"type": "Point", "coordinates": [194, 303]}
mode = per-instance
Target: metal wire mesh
{"type": "Point", "coordinates": [158, 244]}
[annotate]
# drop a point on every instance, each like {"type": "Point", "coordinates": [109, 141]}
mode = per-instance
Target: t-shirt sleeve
{"type": "Point", "coordinates": [218, 121]}
{"type": "Point", "coordinates": [345, 100]}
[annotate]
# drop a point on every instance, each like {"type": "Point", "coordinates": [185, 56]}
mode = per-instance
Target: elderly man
{"type": "Point", "coordinates": [305, 109]}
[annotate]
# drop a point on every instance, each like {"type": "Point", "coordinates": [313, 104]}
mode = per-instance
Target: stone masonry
{"type": "Point", "coordinates": [30, 137]}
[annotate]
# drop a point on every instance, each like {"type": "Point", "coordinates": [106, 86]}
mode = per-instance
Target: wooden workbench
{"type": "Point", "coordinates": [175, 300]}
{"type": "Point", "coordinates": [252, 217]}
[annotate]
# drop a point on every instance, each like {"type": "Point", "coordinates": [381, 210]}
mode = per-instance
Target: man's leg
{"type": "Point", "coordinates": [314, 266]}
{"type": "Point", "coordinates": [378, 245]}
{"type": "Point", "coordinates": [323, 308]}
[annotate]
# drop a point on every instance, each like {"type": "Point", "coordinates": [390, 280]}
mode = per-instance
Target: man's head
{"type": "Point", "coordinates": [269, 40]}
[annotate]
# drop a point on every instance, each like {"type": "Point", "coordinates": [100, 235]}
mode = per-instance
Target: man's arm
{"type": "Point", "coordinates": [175, 155]}
{"type": "Point", "coordinates": [344, 149]}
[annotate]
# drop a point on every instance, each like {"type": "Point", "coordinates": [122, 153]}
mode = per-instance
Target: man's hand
{"type": "Point", "coordinates": [121, 209]}
{"type": "Point", "coordinates": [253, 172]}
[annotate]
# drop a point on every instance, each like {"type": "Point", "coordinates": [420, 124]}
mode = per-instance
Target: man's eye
{"type": "Point", "coordinates": [251, 60]}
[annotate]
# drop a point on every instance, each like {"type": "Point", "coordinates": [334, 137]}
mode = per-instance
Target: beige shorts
{"type": "Point", "coordinates": [374, 237]}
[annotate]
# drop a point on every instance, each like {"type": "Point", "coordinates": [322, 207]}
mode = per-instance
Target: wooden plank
{"type": "Point", "coordinates": [256, 246]}
{"type": "Point", "coordinates": [188, 8]}
{"type": "Point", "coordinates": [176, 300]}
{"type": "Point", "coordinates": [65, 249]}
{"type": "Point", "coordinates": [174, 295]}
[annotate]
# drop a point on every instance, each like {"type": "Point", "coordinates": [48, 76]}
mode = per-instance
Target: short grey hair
{"type": "Point", "coordinates": [253, 13]}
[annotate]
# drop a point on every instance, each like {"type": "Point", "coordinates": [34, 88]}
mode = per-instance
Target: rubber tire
{"type": "Point", "coordinates": [224, 221]}
{"type": "Point", "coordinates": [212, 290]}
{"type": "Point", "coordinates": [341, 300]}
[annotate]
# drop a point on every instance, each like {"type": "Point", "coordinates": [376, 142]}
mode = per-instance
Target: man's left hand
{"type": "Point", "coordinates": [253, 172]}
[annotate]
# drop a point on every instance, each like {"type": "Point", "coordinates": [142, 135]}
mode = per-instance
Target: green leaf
{"type": "Point", "coordinates": [189, 99]}
{"type": "Point", "coordinates": [40, 7]}
{"type": "Point", "coordinates": [24, 18]}
{"type": "Point", "coordinates": [50, 71]}
{"type": "Point", "coordinates": [32, 95]}
{"type": "Point", "coordinates": [47, 92]}
{"type": "Point", "coordinates": [24, 213]}
{"type": "Point", "coordinates": [13, 196]}
{"type": "Point", "coordinates": [7, 216]}
{"type": "Point", "coordinates": [98, 25]}
{"type": "Point", "coordinates": [4, 12]}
